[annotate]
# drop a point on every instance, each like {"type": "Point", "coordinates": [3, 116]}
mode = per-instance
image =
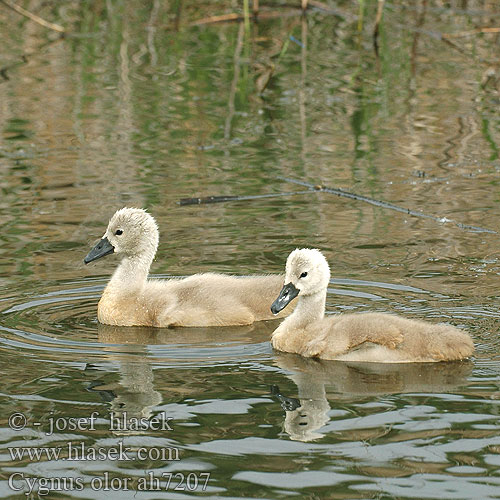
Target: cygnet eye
{"type": "Point", "coordinates": [304, 274]}
{"type": "Point", "coordinates": [119, 232]}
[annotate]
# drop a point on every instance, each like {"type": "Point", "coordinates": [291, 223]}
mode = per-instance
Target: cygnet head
{"type": "Point", "coordinates": [307, 273]}
{"type": "Point", "coordinates": [131, 232]}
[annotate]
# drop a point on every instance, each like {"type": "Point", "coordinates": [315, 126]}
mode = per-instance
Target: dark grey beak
{"type": "Point", "coordinates": [288, 293]}
{"type": "Point", "coordinates": [103, 247]}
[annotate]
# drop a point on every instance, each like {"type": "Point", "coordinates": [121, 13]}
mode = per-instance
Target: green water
{"type": "Point", "coordinates": [137, 107]}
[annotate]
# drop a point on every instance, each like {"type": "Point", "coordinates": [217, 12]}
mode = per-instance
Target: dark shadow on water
{"type": "Point", "coordinates": [142, 335]}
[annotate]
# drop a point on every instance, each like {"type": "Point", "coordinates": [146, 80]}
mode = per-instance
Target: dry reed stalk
{"type": "Point", "coordinates": [33, 17]}
{"type": "Point", "coordinates": [471, 32]}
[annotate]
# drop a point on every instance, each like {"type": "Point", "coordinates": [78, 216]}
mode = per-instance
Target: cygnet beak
{"type": "Point", "coordinates": [102, 248]}
{"type": "Point", "coordinates": [288, 293]}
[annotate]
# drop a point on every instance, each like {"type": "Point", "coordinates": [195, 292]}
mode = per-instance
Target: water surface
{"type": "Point", "coordinates": [138, 107]}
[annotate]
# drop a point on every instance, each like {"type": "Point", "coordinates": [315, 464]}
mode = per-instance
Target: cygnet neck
{"type": "Point", "coordinates": [309, 308]}
{"type": "Point", "coordinates": [132, 273]}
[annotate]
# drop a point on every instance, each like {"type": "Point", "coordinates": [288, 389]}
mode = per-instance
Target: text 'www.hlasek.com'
{"type": "Point", "coordinates": [128, 448]}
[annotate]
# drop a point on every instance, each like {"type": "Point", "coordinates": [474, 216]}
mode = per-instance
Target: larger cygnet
{"type": "Point", "coordinates": [130, 299]}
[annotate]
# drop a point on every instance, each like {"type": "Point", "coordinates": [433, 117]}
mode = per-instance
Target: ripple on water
{"type": "Point", "coordinates": [363, 427]}
{"type": "Point", "coordinates": [60, 322]}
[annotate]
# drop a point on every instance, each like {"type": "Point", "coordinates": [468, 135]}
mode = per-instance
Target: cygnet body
{"type": "Point", "coordinates": [369, 337]}
{"type": "Point", "coordinates": [130, 299]}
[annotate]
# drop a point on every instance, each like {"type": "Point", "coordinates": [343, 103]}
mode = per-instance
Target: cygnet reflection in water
{"type": "Point", "coordinates": [321, 383]}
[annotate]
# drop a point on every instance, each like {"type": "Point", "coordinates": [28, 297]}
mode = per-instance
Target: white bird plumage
{"type": "Point", "coordinates": [210, 299]}
{"type": "Point", "coordinates": [374, 337]}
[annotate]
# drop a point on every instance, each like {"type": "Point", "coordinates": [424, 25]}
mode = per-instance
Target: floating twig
{"type": "Point", "coordinates": [225, 18]}
{"type": "Point", "coordinates": [231, 18]}
{"type": "Point", "coordinates": [315, 188]}
{"type": "Point", "coordinates": [33, 17]}
{"type": "Point", "coordinates": [221, 199]}
{"type": "Point", "coordinates": [471, 32]}
{"type": "Point", "coordinates": [384, 204]}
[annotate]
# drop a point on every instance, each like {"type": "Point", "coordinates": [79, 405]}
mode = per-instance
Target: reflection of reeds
{"type": "Point", "coordinates": [246, 17]}
{"type": "Point", "coordinates": [151, 32]}
{"type": "Point", "coordinates": [263, 12]}
{"type": "Point", "coordinates": [378, 18]}
{"type": "Point", "coordinates": [255, 8]}
{"type": "Point", "coordinates": [234, 83]}
{"type": "Point", "coordinates": [416, 37]}
{"type": "Point", "coordinates": [302, 87]}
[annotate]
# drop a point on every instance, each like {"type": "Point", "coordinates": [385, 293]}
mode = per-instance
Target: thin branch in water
{"type": "Point", "coordinates": [221, 199]}
{"type": "Point", "coordinates": [384, 204]}
{"type": "Point", "coordinates": [218, 19]}
{"type": "Point", "coordinates": [231, 18]}
{"type": "Point", "coordinates": [471, 32]}
{"type": "Point", "coordinates": [33, 17]}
